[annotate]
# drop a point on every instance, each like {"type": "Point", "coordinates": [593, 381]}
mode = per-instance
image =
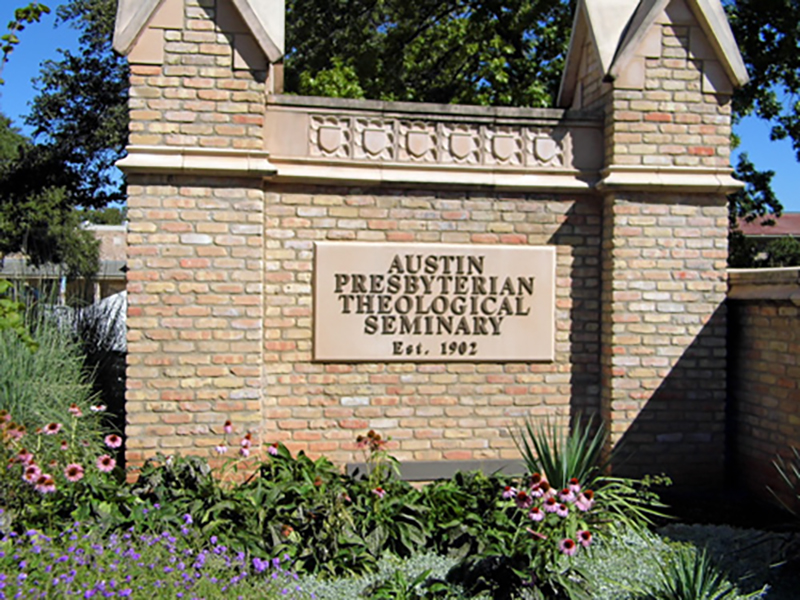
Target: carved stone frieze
{"type": "Point", "coordinates": [431, 142]}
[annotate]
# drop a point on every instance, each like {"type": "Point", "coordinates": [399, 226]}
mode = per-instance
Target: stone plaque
{"type": "Point", "coordinates": [433, 302]}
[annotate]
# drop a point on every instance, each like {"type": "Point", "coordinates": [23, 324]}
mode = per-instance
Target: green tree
{"type": "Point", "coordinates": [32, 13]}
{"type": "Point", "coordinates": [488, 52]}
{"type": "Point", "coordinates": [80, 124]}
{"type": "Point", "coordinates": [767, 32]}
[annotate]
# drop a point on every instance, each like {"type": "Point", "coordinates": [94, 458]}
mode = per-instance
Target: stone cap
{"type": "Point", "coordinates": [617, 28]}
{"type": "Point", "coordinates": [266, 20]}
{"type": "Point", "coordinates": [781, 283]}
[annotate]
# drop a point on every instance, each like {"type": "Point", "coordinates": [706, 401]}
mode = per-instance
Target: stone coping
{"type": "Point", "coordinates": [780, 283]}
{"type": "Point", "coordinates": [436, 111]}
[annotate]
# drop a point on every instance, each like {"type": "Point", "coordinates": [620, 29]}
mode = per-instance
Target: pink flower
{"type": "Point", "coordinates": [536, 514]}
{"type": "Point", "coordinates": [227, 427]}
{"type": "Point", "coordinates": [45, 484]}
{"type": "Point", "coordinates": [52, 428]}
{"type": "Point", "coordinates": [244, 451]}
{"type": "Point", "coordinates": [562, 510]}
{"type": "Point", "coordinates": [379, 492]}
{"type": "Point", "coordinates": [585, 500]}
{"type": "Point", "coordinates": [273, 449]}
{"type": "Point", "coordinates": [105, 463]}
{"type": "Point", "coordinates": [24, 456]}
{"type": "Point", "coordinates": [64, 445]}
{"type": "Point", "coordinates": [75, 410]}
{"type": "Point", "coordinates": [73, 472]}
{"type": "Point", "coordinates": [550, 505]}
{"type": "Point", "coordinates": [5, 416]}
{"type": "Point", "coordinates": [585, 538]}
{"type": "Point", "coordinates": [523, 499]}
{"type": "Point", "coordinates": [16, 433]}
{"type": "Point", "coordinates": [113, 441]}
{"type": "Point", "coordinates": [247, 440]}
{"type": "Point", "coordinates": [31, 473]}
{"type": "Point", "coordinates": [568, 547]}
{"type": "Point", "coordinates": [574, 485]}
{"type": "Point", "coordinates": [98, 408]}
{"type": "Point", "coordinates": [566, 495]}
{"type": "Point", "coordinates": [509, 492]}
{"type": "Point", "coordinates": [221, 449]}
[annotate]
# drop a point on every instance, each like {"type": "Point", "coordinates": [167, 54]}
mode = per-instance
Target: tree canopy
{"type": "Point", "coordinates": [80, 125]}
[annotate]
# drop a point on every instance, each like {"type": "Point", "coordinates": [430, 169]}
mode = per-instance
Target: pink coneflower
{"type": "Point", "coordinates": [45, 484]}
{"type": "Point", "coordinates": [52, 428]}
{"type": "Point", "coordinates": [509, 492]}
{"type": "Point", "coordinates": [379, 492]}
{"type": "Point", "coordinates": [566, 495]}
{"type": "Point", "coordinates": [24, 456]}
{"type": "Point", "coordinates": [585, 538]}
{"type": "Point", "coordinates": [574, 485]}
{"type": "Point", "coordinates": [546, 489]}
{"type": "Point", "coordinates": [73, 472]}
{"type": "Point", "coordinates": [568, 547]}
{"type": "Point", "coordinates": [550, 505]}
{"type": "Point", "coordinates": [585, 500]}
{"type": "Point", "coordinates": [75, 410]}
{"type": "Point", "coordinates": [247, 440]}
{"type": "Point", "coordinates": [536, 479]}
{"type": "Point", "coordinates": [562, 510]}
{"type": "Point", "coordinates": [227, 427]}
{"type": "Point", "coordinates": [221, 449]}
{"type": "Point", "coordinates": [16, 432]}
{"type": "Point", "coordinates": [105, 463]}
{"type": "Point", "coordinates": [113, 441]}
{"type": "Point", "coordinates": [98, 408]}
{"type": "Point", "coordinates": [523, 499]}
{"type": "Point", "coordinates": [64, 445]}
{"type": "Point", "coordinates": [5, 416]}
{"type": "Point", "coordinates": [244, 451]}
{"type": "Point", "coordinates": [273, 449]}
{"type": "Point", "coordinates": [536, 514]}
{"type": "Point", "coordinates": [31, 473]}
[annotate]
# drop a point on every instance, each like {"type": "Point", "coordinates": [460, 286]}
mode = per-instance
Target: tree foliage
{"type": "Point", "coordinates": [25, 15]}
{"type": "Point", "coordinates": [80, 123]}
{"type": "Point", "coordinates": [488, 52]}
{"type": "Point", "coordinates": [767, 32]}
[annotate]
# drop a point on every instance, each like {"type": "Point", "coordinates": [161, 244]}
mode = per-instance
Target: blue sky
{"type": "Point", "coordinates": [41, 42]}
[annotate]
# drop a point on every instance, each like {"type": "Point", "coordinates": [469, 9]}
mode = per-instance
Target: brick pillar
{"type": "Point", "coordinates": [664, 254]}
{"type": "Point", "coordinates": [196, 233]}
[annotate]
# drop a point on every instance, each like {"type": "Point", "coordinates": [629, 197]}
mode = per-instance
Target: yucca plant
{"type": "Point", "coordinates": [563, 453]}
{"type": "Point", "coordinates": [789, 471]}
{"type": "Point", "coordinates": [690, 574]}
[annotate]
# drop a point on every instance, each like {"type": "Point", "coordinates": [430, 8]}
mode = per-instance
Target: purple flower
{"type": "Point", "coordinates": [273, 449]}
{"type": "Point", "coordinates": [562, 510]}
{"type": "Point", "coordinates": [187, 518]}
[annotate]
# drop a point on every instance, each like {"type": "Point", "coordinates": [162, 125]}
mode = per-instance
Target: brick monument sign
{"type": "Point", "coordinates": [312, 268]}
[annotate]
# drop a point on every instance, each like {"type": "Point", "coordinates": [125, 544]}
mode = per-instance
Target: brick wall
{"type": "Point", "coordinates": [195, 316]}
{"type": "Point", "coordinates": [455, 411]}
{"type": "Point", "coordinates": [664, 333]}
{"type": "Point", "coordinates": [765, 374]}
